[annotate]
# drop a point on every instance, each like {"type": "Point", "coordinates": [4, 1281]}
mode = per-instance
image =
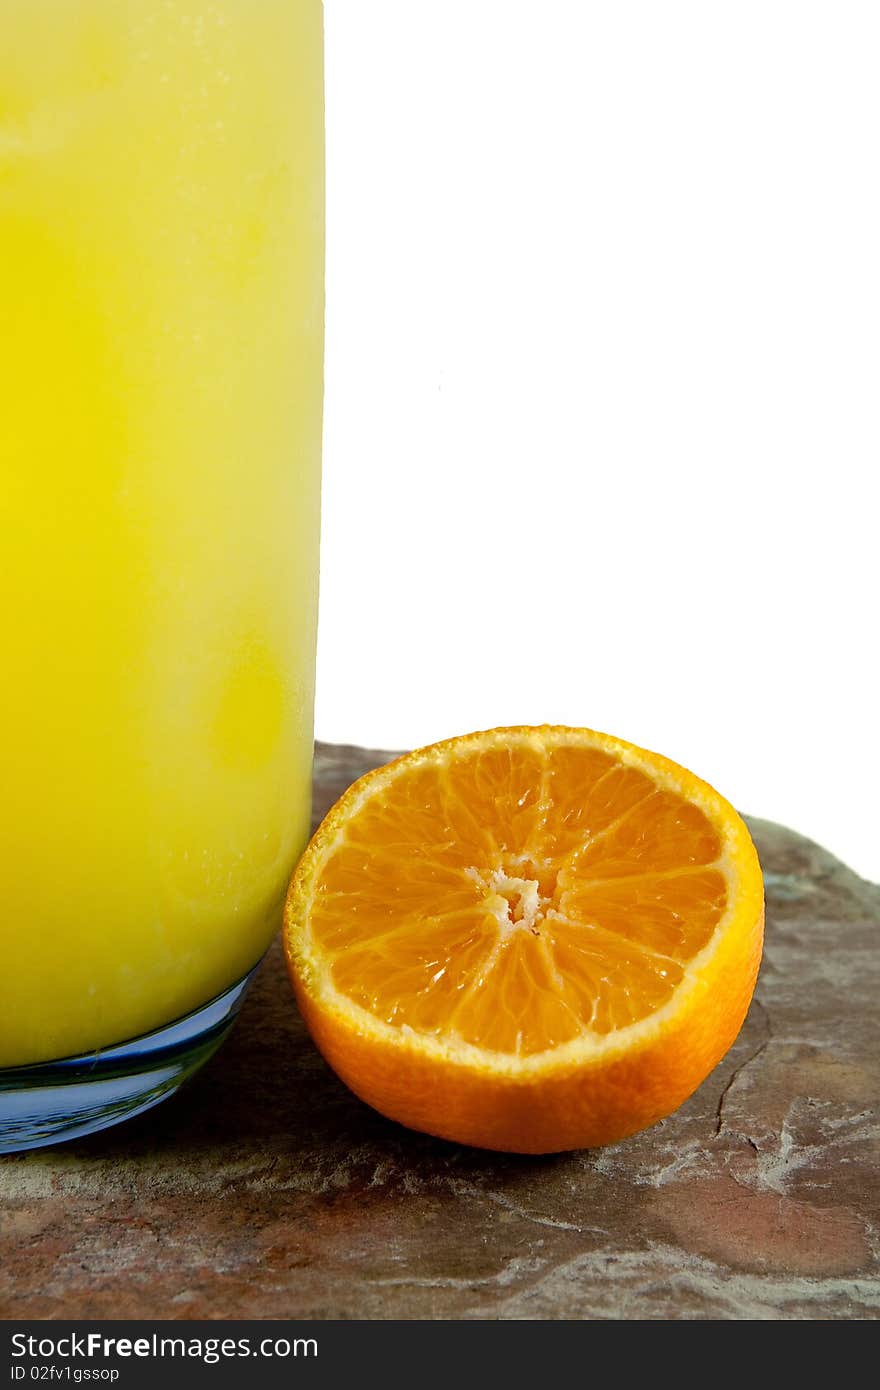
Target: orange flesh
{"type": "Point", "coordinates": [517, 897]}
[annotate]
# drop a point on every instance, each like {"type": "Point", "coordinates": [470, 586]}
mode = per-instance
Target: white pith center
{"type": "Point", "coordinates": [515, 902]}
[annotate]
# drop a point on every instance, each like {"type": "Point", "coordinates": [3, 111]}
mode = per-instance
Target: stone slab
{"type": "Point", "coordinates": [266, 1190]}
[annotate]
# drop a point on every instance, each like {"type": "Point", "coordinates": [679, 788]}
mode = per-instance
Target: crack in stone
{"type": "Point", "coordinates": [511, 1270]}
{"type": "Point", "coordinates": [465, 1189]}
{"type": "Point", "coordinates": [766, 1040]}
{"type": "Point", "coordinates": [636, 1275]}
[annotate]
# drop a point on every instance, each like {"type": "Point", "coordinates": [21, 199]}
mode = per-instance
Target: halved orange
{"type": "Point", "coordinates": [530, 939]}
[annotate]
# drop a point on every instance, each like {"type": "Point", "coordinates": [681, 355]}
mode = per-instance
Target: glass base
{"type": "Point", "coordinates": [51, 1102]}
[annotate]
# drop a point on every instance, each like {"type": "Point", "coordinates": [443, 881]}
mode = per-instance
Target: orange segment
{"type": "Point", "coordinates": [526, 904]}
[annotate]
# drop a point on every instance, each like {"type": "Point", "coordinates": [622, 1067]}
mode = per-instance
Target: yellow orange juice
{"type": "Point", "coordinates": [161, 321]}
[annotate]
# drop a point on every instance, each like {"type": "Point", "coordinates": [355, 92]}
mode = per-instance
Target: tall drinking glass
{"type": "Point", "coordinates": [161, 327]}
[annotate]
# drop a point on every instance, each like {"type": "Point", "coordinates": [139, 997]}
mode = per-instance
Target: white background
{"type": "Point", "coordinates": [603, 360]}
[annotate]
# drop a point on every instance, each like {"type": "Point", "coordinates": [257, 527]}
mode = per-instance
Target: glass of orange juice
{"type": "Point", "coordinates": [161, 326]}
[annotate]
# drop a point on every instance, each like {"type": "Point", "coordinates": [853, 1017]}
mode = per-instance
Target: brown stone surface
{"type": "Point", "coordinates": [267, 1190]}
